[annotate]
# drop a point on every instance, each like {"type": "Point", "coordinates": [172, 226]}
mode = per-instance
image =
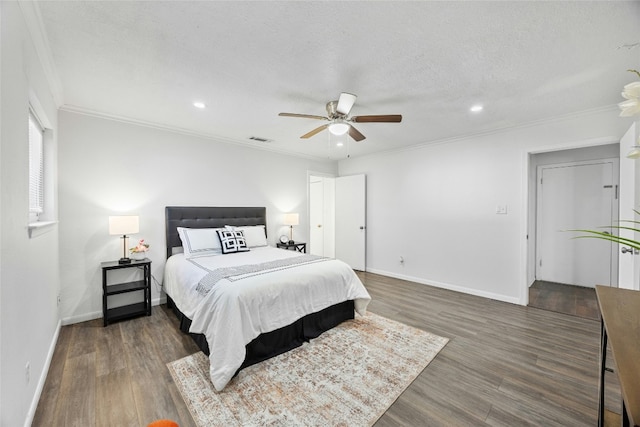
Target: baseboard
{"type": "Point", "coordinates": [98, 314]}
{"type": "Point", "coordinates": [43, 377]}
{"type": "Point", "coordinates": [464, 290]}
{"type": "Point", "coordinates": [81, 318]}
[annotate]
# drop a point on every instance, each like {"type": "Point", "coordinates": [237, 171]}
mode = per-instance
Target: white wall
{"type": "Point", "coordinates": [109, 167]}
{"type": "Point", "coordinates": [29, 277]}
{"type": "Point", "coordinates": [435, 205]}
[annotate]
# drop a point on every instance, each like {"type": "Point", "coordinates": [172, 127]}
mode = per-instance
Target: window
{"type": "Point", "coordinates": [36, 168]}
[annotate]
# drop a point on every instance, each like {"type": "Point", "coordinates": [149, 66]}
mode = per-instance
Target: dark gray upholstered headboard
{"type": "Point", "coordinates": [208, 217]}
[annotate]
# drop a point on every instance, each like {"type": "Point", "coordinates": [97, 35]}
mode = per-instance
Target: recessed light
{"type": "Point", "coordinates": [339, 144]}
{"type": "Point", "coordinates": [199, 105]}
{"type": "Point", "coordinates": [476, 108]}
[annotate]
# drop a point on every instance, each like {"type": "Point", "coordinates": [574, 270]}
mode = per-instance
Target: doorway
{"type": "Point", "coordinates": [573, 196]}
{"type": "Point", "coordinates": [337, 218]}
{"type": "Point", "coordinates": [571, 189]}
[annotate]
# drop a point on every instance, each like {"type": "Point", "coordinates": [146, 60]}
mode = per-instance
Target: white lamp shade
{"type": "Point", "coordinates": [123, 224]}
{"type": "Point", "coordinates": [291, 219]}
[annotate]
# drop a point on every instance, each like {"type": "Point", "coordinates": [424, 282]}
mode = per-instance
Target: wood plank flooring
{"type": "Point", "coordinates": [568, 299]}
{"type": "Point", "coordinates": [505, 365]}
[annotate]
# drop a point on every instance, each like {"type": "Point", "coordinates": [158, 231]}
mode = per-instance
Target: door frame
{"type": "Point", "coordinates": [527, 246]}
{"type": "Point", "coordinates": [615, 172]}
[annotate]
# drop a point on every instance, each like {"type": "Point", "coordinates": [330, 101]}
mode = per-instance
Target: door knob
{"type": "Point", "coordinates": [626, 250]}
{"type": "Point", "coordinates": [362, 227]}
{"type": "Point", "coordinates": [319, 225]}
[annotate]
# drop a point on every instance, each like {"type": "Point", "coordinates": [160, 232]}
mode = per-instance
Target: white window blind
{"type": "Point", "coordinates": [36, 167]}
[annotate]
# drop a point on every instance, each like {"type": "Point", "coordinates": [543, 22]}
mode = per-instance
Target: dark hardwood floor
{"type": "Point", "coordinates": [568, 299]}
{"type": "Point", "coordinates": [506, 365]}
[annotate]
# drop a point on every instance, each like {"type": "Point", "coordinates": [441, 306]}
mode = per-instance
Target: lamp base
{"type": "Point", "coordinates": [124, 261]}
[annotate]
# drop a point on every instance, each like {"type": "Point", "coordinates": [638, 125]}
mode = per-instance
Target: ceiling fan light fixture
{"type": "Point", "coordinates": [199, 104]}
{"type": "Point", "coordinates": [338, 128]}
{"type": "Point", "coordinates": [476, 108]}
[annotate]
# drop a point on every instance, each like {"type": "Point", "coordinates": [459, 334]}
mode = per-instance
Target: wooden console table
{"type": "Point", "coordinates": [620, 326]}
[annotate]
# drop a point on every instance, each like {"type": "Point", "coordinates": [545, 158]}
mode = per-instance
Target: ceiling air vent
{"type": "Point", "coordinates": [258, 139]}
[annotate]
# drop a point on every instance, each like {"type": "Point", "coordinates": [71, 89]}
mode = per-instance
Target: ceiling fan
{"type": "Point", "coordinates": [339, 120]}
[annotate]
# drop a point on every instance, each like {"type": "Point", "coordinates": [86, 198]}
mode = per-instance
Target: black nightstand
{"type": "Point", "coordinates": [296, 246]}
{"type": "Point", "coordinates": [131, 310]}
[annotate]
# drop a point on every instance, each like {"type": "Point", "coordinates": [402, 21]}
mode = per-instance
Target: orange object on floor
{"type": "Point", "coordinates": [163, 423]}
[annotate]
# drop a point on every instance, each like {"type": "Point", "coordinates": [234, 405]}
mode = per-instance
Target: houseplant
{"type": "Point", "coordinates": [608, 235]}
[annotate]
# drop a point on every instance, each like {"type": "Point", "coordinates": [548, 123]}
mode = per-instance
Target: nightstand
{"type": "Point", "coordinates": [296, 246]}
{"type": "Point", "coordinates": [109, 289]}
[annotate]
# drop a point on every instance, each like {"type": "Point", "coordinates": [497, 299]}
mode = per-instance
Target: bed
{"type": "Point", "coordinates": [247, 306]}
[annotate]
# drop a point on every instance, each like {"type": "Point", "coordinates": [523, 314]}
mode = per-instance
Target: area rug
{"type": "Point", "coordinates": [349, 376]}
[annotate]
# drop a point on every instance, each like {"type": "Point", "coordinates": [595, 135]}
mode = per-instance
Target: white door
{"type": "Point", "coordinates": [574, 196]}
{"type": "Point", "coordinates": [629, 263]}
{"type": "Point", "coordinates": [350, 220]}
{"type": "Point", "coordinates": [316, 221]}
{"type": "Point", "coordinates": [321, 216]}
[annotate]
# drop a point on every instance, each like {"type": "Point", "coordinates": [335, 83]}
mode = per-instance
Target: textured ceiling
{"type": "Point", "coordinates": [149, 61]}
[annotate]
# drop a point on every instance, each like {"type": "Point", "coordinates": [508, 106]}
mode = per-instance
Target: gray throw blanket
{"type": "Point", "coordinates": [250, 270]}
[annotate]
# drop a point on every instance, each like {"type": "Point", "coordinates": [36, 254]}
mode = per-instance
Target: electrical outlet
{"type": "Point", "coordinates": [27, 372]}
{"type": "Point", "coordinates": [501, 209]}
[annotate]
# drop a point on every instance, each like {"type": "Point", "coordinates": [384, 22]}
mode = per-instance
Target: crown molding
{"type": "Point", "coordinates": [607, 108]}
{"type": "Point", "coordinates": [174, 129]}
{"type": "Point", "coordinates": [33, 19]}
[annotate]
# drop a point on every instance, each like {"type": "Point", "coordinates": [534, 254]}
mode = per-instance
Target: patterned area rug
{"type": "Point", "coordinates": [349, 376]}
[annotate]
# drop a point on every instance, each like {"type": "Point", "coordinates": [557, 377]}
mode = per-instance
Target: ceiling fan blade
{"type": "Point", "coordinates": [388, 118]}
{"type": "Point", "coordinates": [355, 134]}
{"type": "Point", "coordinates": [345, 103]}
{"type": "Point", "coordinates": [315, 131]}
{"type": "Point", "coordinates": [303, 116]}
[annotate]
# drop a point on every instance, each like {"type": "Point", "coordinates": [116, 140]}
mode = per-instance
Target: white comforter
{"type": "Point", "coordinates": [233, 313]}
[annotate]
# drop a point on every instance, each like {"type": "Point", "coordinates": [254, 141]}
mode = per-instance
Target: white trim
{"type": "Point", "coordinates": [43, 377]}
{"type": "Point", "coordinates": [182, 131]}
{"type": "Point", "coordinates": [81, 318]}
{"type": "Point", "coordinates": [98, 314]}
{"type": "Point", "coordinates": [39, 228]}
{"type": "Point", "coordinates": [418, 146]}
{"type": "Point", "coordinates": [457, 288]}
{"type": "Point", "coordinates": [33, 19]}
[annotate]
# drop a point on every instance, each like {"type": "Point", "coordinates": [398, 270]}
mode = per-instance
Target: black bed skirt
{"type": "Point", "coordinates": [281, 340]}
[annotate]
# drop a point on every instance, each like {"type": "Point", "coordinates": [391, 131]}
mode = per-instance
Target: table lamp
{"type": "Point", "coordinates": [123, 224]}
{"type": "Point", "coordinates": [291, 219]}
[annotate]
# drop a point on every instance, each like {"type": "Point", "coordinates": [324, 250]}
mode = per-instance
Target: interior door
{"type": "Point", "coordinates": [629, 263]}
{"type": "Point", "coordinates": [575, 196]}
{"type": "Point", "coordinates": [321, 216]}
{"type": "Point", "coordinates": [316, 221]}
{"type": "Point", "coordinates": [350, 220]}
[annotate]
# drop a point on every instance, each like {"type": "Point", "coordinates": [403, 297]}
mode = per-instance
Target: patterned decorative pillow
{"type": "Point", "coordinates": [232, 241]}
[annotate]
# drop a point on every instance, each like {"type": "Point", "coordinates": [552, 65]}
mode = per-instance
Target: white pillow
{"type": "Point", "coordinates": [200, 241]}
{"type": "Point", "coordinates": [255, 235]}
